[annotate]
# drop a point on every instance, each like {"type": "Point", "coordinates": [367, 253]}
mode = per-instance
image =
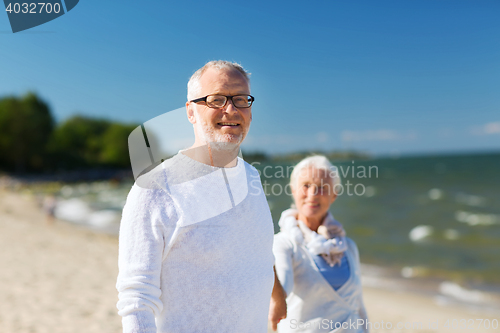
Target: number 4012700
{"type": "Point", "coordinates": [33, 8]}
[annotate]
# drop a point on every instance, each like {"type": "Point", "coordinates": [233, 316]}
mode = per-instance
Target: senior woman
{"type": "Point", "coordinates": [317, 265]}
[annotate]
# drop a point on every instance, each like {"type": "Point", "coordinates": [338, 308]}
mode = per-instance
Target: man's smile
{"type": "Point", "coordinates": [228, 124]}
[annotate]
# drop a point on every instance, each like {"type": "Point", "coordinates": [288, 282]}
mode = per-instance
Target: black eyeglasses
{"type": "Point", "coordinates": [219, 101]}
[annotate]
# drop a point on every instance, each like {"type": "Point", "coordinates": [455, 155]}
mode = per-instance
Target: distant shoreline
{"type": "Point", "coordinates": [91, 174]}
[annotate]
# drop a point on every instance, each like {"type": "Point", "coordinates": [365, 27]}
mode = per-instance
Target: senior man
{"type": "Point", "coordinates": [195, 245]}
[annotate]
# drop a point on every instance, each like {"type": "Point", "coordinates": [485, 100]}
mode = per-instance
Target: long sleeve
{"type": "Point", "coordinates": [363, 315]}
{"type": "Point", "coordinates": [141, 246]}
{"type": "Point", "coordinates": [283, 254]}
{"type": "Point", "coordinates": [362, 310]}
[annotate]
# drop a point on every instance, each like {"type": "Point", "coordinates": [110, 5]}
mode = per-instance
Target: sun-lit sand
{"type": "Point", "coordinates": [61, 278]}
{"type": "Point", "coordinates": [419, 313]}
{"type": "Point", "coordinates": [54, 278]}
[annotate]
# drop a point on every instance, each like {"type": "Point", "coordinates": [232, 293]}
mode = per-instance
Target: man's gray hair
{"type": "Point", "coordinates": [194, 86]}
{"type": "Point", "coordinates": [317, 162]}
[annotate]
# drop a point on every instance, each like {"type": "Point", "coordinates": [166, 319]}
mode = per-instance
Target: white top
{"type": "Point", "coordinates": [196, 250]}
{"type": "Point", "coordinates": [312, 304]}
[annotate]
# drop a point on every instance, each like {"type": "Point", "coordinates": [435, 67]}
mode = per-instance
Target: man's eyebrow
{"type": "Point", "coordinates": [218, 92]}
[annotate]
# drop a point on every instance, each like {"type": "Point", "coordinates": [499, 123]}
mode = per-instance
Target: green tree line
{"type": "Point", "coordinates": [31, 141]}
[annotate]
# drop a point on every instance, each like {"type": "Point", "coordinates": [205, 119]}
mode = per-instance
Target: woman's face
{"type": "Point", "coordinates": [313, 194]}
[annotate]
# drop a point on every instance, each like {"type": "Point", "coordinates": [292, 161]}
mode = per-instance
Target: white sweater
{"type": "Point", "coordinates": [196, 250]}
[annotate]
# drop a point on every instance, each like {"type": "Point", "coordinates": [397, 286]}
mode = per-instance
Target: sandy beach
{"type": "Point", "coordinates": [61, 278]}
{"type": "Point", "coordinates": [54, 278]}
{"type": "Point", "coordinates": [419, 314]}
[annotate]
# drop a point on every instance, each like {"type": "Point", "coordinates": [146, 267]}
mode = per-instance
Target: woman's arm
{"type": "Point", "coordinates": [283, 255]}
{"type": "Point", "coordinates": [277, 308]}
{"type": "Point", "coordinates": [362, 310]}
{"type": "Point", "coordinates": [283, 278]}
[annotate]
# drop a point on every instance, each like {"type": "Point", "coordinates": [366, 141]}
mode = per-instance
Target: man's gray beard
{"type": "Point", "coordinates": [217, 141]}
{"type": "Point", "coordinates": [224, 146]}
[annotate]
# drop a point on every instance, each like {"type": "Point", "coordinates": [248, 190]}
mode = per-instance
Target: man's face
{"type": "Point", "coordinates": [225, 125]}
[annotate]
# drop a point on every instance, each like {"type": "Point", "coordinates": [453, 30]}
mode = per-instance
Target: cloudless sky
{"type": "Point", "coordinates": [378, 76]}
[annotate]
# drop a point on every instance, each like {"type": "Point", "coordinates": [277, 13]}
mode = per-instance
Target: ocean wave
{"type": "Point", "coordinates": [476, 219]}
{"type": "Point", "coordinates": [420, 233]}
{"type": "Point", "coordinates": [78, 211]}
{"type": "Point", "coordinates": [72, 210]}
{"type": "Point", "coordinates": [435, 194]}
{"type": "Point", "coordinates": [103, 218]}
{"type": "Point", "coordinates": [416, 271]}
{"type": "Point", "coordinates": [470, 200]}
{"type": "Point", "coordinates": [460, 293]}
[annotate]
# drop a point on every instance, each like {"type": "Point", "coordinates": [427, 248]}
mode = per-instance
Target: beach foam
{"type": "Point", "coordinates": [420, 233]}
{"type": "Point", "coordinates": [476, 219]}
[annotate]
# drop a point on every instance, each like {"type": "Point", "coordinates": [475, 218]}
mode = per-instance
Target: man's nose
{"type": "Point", "coordinates": [229, 107]}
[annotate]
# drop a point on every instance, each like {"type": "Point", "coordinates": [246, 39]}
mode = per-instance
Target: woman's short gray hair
{"type": "Point", "coordinates": [318, 162]}
{"type": "Point", "coordinates": [194, 86]}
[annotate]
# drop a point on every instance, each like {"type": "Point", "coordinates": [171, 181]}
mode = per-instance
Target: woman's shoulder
{"type": "Point", "coordinates": [351, 246]}
{"type": "Point", "coordinates": [351, 243]}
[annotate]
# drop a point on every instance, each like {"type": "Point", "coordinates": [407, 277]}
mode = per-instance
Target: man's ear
{"type": "Point", "coordinates": [190, 112]}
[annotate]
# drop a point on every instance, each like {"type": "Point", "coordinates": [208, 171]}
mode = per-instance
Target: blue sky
{"type": "Point", "coordinates": [379, 76]}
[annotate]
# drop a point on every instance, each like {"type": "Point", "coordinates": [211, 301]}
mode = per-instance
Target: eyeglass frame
{"type": "Point", "coordinates": [204, 99]}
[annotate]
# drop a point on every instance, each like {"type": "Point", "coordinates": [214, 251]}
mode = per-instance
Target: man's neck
{"type": "Point", "coordinates": [214, 154]}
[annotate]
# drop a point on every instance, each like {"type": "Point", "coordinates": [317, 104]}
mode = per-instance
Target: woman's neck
{"type": "Point", "coordinates": [311, 222]}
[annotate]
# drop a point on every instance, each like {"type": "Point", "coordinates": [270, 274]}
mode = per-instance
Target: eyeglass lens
{"type": "Point", "coordinates": [239, 101]}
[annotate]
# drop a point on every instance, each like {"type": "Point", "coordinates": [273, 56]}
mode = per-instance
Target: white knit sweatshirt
{"type": "Point", "coordinates": [196, 250]}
